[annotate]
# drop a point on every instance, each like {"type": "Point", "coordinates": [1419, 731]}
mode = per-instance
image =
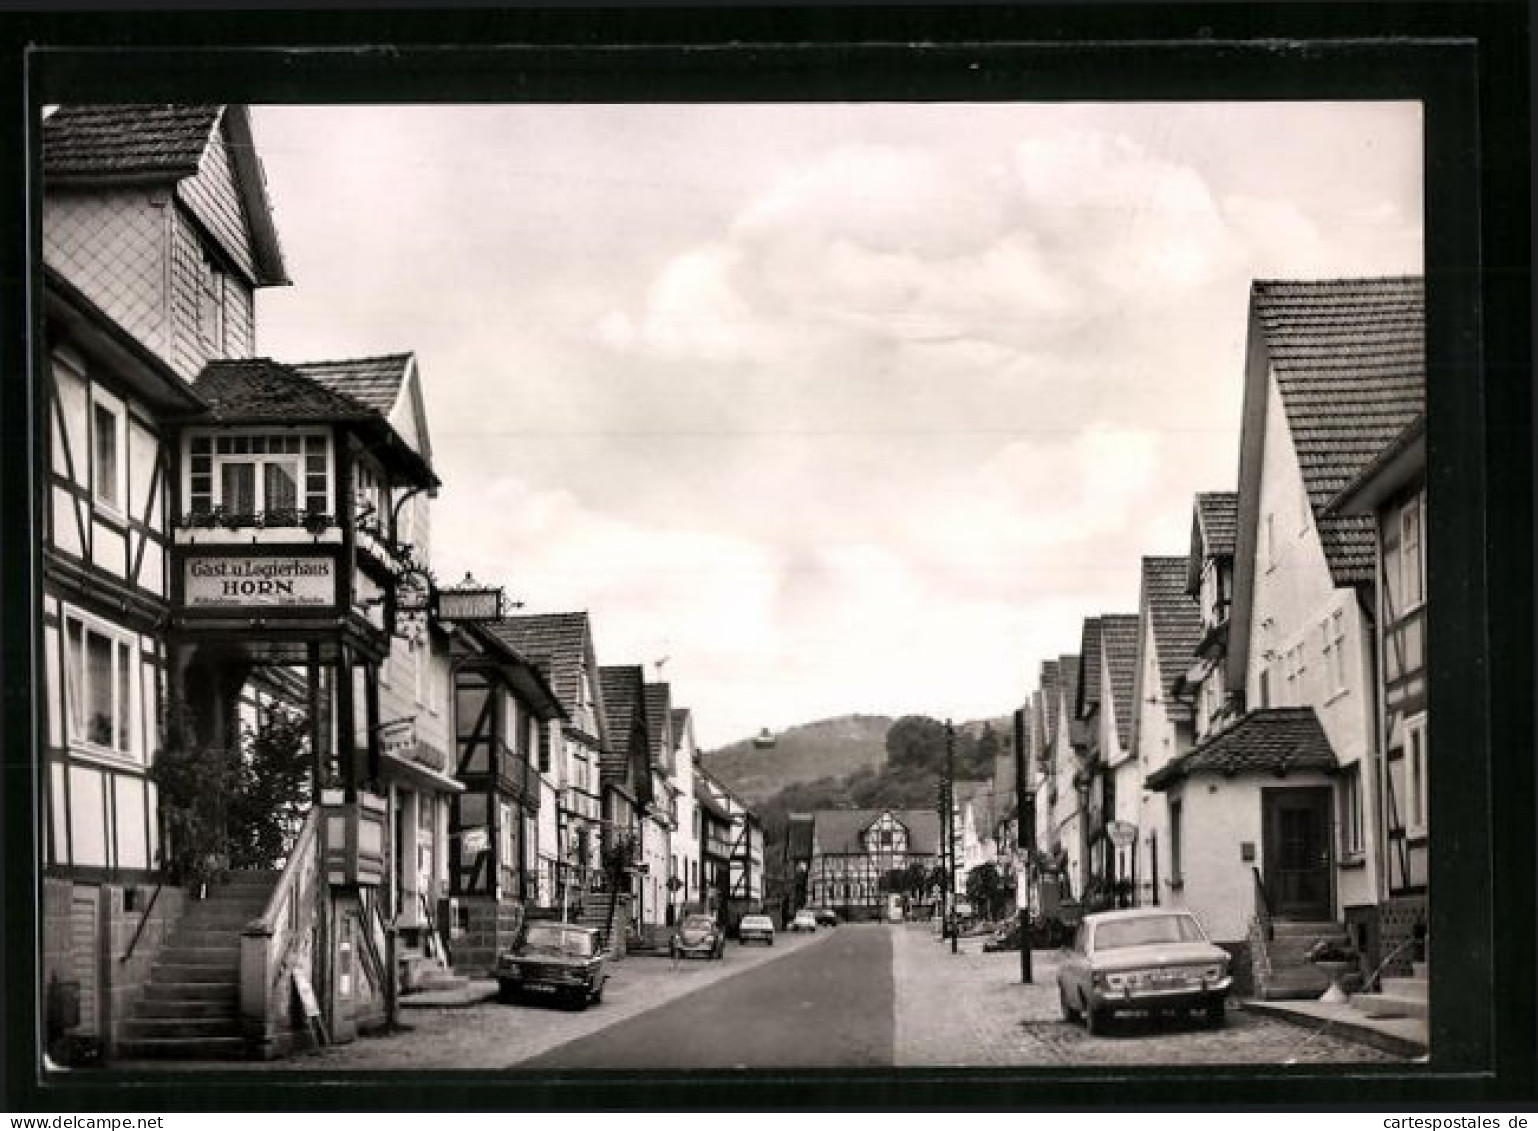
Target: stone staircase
{"type": "Point", "coordinates": [1397, 997]}
{"type": "Point", "coordinates": [597, 912]}
{"type": "Point", "coordinates": [1281, 966]}
{"type": "Point", "coordinates": [191, 1006]}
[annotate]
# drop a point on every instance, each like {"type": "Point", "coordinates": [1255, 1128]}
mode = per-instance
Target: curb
{"type": "Point", "coordinates": [1359, 1031]}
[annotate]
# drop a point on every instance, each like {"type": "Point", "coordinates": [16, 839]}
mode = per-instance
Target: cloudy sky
{"type": "Point", "coordinates": [835, 407]}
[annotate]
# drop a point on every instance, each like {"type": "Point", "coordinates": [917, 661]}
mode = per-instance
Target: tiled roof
{"type": "Point", "coordinates": [798, 836]}
{"type": "Point", "coordinates": [1089, 667]}
{"type": "Point", "coordinates": [1177, 621]}
{"type": "Point", "coordinates": [659, 707]}
{"type": "Point", "coordinates": [259, 389]}
{"type": "Point", "coordinates": [708, 800]}
{"type": "Point", "coordinates": [128, 141]}
{"type": "Point", "coordinates": [1350, 362]}
{"type": "Point", "coordinates": [621, 688]}
{"type": "Point", "coordinates": [1049, 699]}
{"type": "Point", "coordinates": [559, 640]}
{"type": "Point", "coordinates": [374, 381]}
{"type": "Point", "coordinates": [1272, 741]}
{"type": "Point", "coordinates": [680, 720]}
{"type": "Point", "coordinates": [1118, 635]}
{"type": "Point", "coordinates": [1218, 514]}
{"type": "Point", "coordinates": [838, 830]}
{"type": "Point", "coordinates": [1068, 678]}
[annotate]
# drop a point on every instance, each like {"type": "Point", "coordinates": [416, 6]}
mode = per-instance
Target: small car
{"type": "Point", "coordinates": [561, 961]}
{"type": "Point", "coordinates": [1145, 960]}
{"type": "Point", "coordinates": [805, 920]}
{"type": "Point", "coordinates": [826, 917]}
{"type": "Point", "coordinates": [755, 928]}
{"type": "Point", "coordinates": [698, 934]}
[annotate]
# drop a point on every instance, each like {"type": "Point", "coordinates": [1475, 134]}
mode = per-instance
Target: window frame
{"type": "Point", "coordinates": [313, 443]}
{"type": "Point", "coordinates": [1350, 815]}
{"type": "Point", "coordinates": [125, 683]}
{"type": "Point", "coordinates": [103, 401]}
{"type": "Point", "coordinates": [1412, 566]}
{"type": "Point", "coordinates": [1416, 817]}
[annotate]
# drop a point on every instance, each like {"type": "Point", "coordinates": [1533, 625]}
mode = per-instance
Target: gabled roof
{"type": "Point", "coordinates": [709, 802]}
{"type": "Point", "coordinates": [798, 836]}
{"type": "Point", "coordinates": [1176, 619]}
{"type": "Point", "coordinates": [1349, 357]}
{"type": "Point", "coordinates": [1049, 700]}
{"type": "Point", "coordinates": [521, 674]}
{"type": "Point", "coordinates": [558, 639]}
{"type": "Point", "coordinates": [659, 709]}
{"type": "Point", "coordinates": [126, 141]}
{"type": "Point", "coordinates": [1088, 677]}
{"type": "Point", "coordinates": [1393, 467]}
{"type": "Point", "coordinates": [1118, 635]}
{"type": "Point", "coordinates": [623, 702]}
{"type": "Point", "coordinates": [374, 381]}
{"type": "Point", "coordinates": [162, 144]}
{"type": "Point", "coordinates": [260, 390]}
{"type": "Point", "coordinates": [1272, 741]}
{"type": "Point", "coordinates": [1217, 516]}
{"type": "Point", "coordinates": [838, 830]}
{"type": "Point", "coordinates": [1068, 682]}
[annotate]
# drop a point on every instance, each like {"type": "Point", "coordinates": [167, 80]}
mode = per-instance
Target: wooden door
{"type": "Point", "coordinates": [1296, 834]}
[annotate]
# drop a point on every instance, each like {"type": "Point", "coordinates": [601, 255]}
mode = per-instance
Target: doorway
{"type": "Point", "coordinates": [1295, 829]}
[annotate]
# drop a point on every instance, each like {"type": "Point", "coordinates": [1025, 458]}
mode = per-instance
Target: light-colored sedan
{"type": "Point", "coordinates": [755, 928]}
{"type": "Point", "coordinates": [1146, 960]}
{"type": "Point", "coordinates": [804, 921]}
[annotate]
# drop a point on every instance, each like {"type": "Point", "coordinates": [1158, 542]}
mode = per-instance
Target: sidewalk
{"type": "Point", "coordinates": [970, 1009]}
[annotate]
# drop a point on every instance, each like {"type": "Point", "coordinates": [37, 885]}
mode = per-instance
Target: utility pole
{"type": "Point", "coordinates": [950, 831]}
{"type": "Point", "coordinates": [1025, 813]}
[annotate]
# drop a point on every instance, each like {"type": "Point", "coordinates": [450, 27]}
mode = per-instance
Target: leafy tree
{"type": "Point", "coordinates": [272, 791]}
{"type": "Point", "coordinates": [985, 889]}
{"type": "Point", "coordinates": [916, 741]}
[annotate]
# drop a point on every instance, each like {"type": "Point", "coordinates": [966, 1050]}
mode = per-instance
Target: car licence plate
{"type": "Point", "coordinates": [540, 988]}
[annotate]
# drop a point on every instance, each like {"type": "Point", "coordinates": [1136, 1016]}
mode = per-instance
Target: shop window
{"type": "Point", "coordinates": [1415, 775]}
{"type": "Point", "coordinates": [100, 687]}
{"type": "Point", "coordinates": [1350, 795]}
{"type": "Point", "coordinates": [108, 449]}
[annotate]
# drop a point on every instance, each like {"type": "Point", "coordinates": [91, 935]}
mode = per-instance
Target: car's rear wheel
{"type": "Point", "coordinates": [507, 993]}
{"type": "Point", "coordinates": [1216, 1012]}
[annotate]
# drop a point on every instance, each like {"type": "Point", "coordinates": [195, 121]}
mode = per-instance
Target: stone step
{"type": "Point", "coordinates": [255, 877]}
{"type": "Point", "coordinates": [188, 1007]}
{"type": "Point", "coordinates": [167, 990]}
{"type": "Point", "coordinates": [219, 972]}
{"type": "Point", "coordinates": [1407, 987]}
{"type": "Point", "coordinates": [1390, 1005]}
{"type": "Point", "coordinates": [203, 953]}
{"type": "Point", "coordinates": [183, 1048]}
{"type": "Point", "coordinates": [154, 1028]}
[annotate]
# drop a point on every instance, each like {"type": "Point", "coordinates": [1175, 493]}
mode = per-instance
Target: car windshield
{"type": "Point", "coordinates": [755, 921]}
{"type": "Point", "coordinates": [546, 939]}
{"type": "Point", "coordinates": [1146, 929]}
{"type": "Point", "coordinates": [698, 923]}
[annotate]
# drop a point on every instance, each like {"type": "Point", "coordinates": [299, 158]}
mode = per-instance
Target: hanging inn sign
{"type": "Point", "coordinates": [469, 602]}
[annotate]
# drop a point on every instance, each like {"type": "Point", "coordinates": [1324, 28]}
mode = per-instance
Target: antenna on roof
{"type": "Point", "coordinates": [658, 663]}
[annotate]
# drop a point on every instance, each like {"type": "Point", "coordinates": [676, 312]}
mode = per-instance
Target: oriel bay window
{"type": "Point", "coordinates": [283, 477]}
{"type": "Point", "coordinates": [99, 687]}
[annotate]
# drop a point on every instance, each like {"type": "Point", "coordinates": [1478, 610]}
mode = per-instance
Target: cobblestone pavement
{"type": "Point", "coordinates": [492, 1035]}
{"type": "Point", "coordinates": [970, 1009]}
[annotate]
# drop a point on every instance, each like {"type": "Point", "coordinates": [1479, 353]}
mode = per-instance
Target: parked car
{"type": "Point", "coordinates": [1147, 960]}
{"type": "Point", "coordinates": [698, 934]}
{"type": "Point", "coordinates": [759, 928]}
{"type": "Point", "coordinates": [805, 920]}
{"type": "Point", "coordinates": [826, 917]}
{"type": "Point", "coordinates": [561, 961]}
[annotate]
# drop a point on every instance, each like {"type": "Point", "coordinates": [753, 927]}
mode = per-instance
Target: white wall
{"type": "Point", "coordinates": [1293, 593]}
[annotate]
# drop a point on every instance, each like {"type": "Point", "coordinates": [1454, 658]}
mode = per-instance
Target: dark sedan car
{"type": "Point", "coordinates": [560, 961]}
{"type": "Point", "coordinates": [698, 934]}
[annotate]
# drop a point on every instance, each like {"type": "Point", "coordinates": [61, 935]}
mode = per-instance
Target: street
{"type": "Point", "coordinates": [858, 995]}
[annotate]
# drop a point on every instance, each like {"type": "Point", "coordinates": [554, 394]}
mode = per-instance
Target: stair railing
{"type": "Point", "coordinates": [144, 919]}
{"type": "Point", "coordinates": [272, 943]}
{"type": "Point", "coordinates": [1263, 907]}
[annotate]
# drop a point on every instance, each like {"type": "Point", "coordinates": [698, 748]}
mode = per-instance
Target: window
{"type": "Point", "coordinates": [258, 474]}
{"type": "Point", "coordinates": [211, 306]}
{"type": "Point", "coordinates": [100, 688]}
{"type": "Point", "coordinates": [108, 465]}
{"type": "Point", "coordinates": [1411, 563]}
{"type": "Point", "coordinates": [1415, 775]}
{"type": "Point", "coordinates": [1270, 540]}
{"type": "Point", "coordinates": [1332, 631]}
{"type": "Point", "coordinates": [1177, 873]}
{"type": "Point", "coordinates": [1265, 688]}
{"type": "Point", "coordinates": [1351, 811]}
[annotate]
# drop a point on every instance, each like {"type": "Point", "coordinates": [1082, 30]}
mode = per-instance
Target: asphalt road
{"type": "Point", "coordinates": [827, 1006]}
